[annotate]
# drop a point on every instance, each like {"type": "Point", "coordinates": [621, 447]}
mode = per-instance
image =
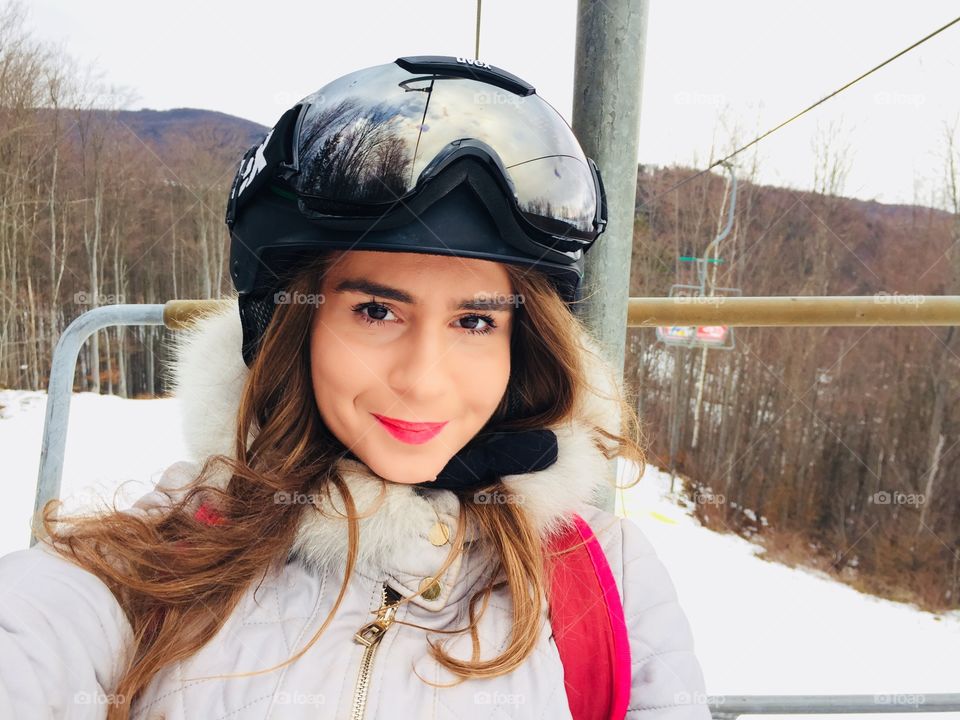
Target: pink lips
{"type": "Point", "coordinates": [408, 432]}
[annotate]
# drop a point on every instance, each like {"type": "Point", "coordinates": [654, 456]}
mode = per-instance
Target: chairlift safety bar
{"type": "Point", "coordinates": [789, 311]}
{"type": "Point", "coordinates": [909, 310]}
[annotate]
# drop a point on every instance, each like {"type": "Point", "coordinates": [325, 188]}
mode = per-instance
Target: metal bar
{"type": "Point", "coordinates": [841, 310]}
{"type": "Point", "coordinates": [611, 46]}
{"type": "Point", "coordinates": [882, 309]}
{"type": "Point", "coordinates": [60, 388]}
{"type": "Point", "coordinates": [175, 315]}
{"type": "Point", "coordinates": [730, 213]}
{"type": "Point", "coordinates": [723, 707]}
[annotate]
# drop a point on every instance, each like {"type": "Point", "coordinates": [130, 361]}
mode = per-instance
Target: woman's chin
{"type": "Point", "coordinates": [412, 482]}
{"type": "Point", "coordinates": [406, 475]}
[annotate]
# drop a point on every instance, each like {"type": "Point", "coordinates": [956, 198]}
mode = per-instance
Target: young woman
{"type": "Point", "coordinates": [389, 431]}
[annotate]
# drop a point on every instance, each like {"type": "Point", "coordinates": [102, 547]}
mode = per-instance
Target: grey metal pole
{"type": "Point", "coordinates": [729, 707]}
{"type": "Point", "coordinates": [60, 388]}
{"type": "Point", "coordinates": [607, 84]}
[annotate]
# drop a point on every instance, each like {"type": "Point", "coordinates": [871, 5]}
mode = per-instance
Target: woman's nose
{"type": "Point", "coordinates": [419, 364]}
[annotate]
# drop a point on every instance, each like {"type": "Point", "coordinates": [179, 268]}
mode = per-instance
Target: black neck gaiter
{"type": "Point", "coordinates": [484, 460]}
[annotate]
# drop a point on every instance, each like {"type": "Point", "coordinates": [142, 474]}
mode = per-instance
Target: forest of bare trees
{"type": "Point", "coordinates": [98, 208]}
{"type": "Point", "coordinates": [838, 447]}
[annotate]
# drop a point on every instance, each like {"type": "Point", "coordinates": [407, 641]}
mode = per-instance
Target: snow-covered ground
{"type": "Point", "coordinates": [759, 627]}
{"type": "Point", "coordinates": [764, 628]}
{"type": "Point", "coordinates": [110, 440]}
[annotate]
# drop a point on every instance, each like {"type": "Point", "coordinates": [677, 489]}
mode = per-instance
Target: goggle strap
{"type": "Point", "coordinates": [261, 162]}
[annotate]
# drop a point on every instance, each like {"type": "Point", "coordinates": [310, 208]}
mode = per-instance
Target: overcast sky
{"type": "Point", "coordinates": [711, 68]}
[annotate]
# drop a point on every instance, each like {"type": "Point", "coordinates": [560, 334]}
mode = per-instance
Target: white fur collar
{"type": "Point", "coordinates": [209, 373]}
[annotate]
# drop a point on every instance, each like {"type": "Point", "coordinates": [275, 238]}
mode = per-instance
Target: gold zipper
{"type": "Point", "coordinates": [369, 636]}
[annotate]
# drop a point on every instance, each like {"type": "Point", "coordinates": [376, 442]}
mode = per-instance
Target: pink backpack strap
{"type": "Point", "coordinates": [589, 627]}
{"type": "Point", "coordinates": [208, 515]}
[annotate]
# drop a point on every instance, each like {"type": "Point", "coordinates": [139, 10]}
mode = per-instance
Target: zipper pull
{"type": "Point", "coordinates": [371, 633]}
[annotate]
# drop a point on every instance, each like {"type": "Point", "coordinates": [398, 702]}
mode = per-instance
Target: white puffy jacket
{"type": "Point", "coordinates": [64, 638]}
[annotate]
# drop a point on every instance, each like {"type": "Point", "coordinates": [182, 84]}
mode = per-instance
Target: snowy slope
{"type": "Point", "coordinates": [759, 627]}
{"type": "Point", "coordinates": [110, 440]}
{"type": "Point", "coordinates": [764, 628]}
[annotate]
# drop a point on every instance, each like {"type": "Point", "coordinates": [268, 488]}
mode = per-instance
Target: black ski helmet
{"type": "Point", "coordinates": [432, 154]}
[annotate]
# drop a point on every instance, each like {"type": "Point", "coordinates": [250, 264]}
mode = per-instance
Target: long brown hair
{"type": "Point", "coordinates": [176, 601]}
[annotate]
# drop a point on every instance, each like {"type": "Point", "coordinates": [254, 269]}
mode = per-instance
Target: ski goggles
{"type": "Point", "coordinates": [375, 138]}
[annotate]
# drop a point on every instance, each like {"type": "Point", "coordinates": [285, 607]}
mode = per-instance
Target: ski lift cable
{"type": "Point", "coordinates": [476, 48]}
{"type": "Point", "coordinates": [806, 110]}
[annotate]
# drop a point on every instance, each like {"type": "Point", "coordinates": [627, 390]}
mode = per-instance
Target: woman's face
{"type": "Point", "coordinates": [414, 339]}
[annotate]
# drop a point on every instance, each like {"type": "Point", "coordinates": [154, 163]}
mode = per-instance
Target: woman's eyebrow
{"type": "Point", "coordinates": [495, 302]}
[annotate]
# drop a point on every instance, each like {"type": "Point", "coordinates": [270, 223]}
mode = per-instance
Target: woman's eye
{"type": "Point", "coordinates": [489, 326]}
{"type": "Point", "coordinates": [376, 314]}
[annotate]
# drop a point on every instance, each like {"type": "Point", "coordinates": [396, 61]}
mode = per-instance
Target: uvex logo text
{"type": "Point", "coordinates": [475, 63]}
